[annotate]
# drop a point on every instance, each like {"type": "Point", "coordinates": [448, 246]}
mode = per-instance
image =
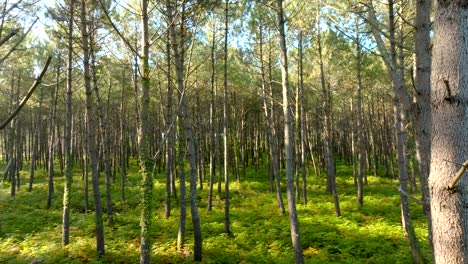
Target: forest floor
{"type": "Point", "coordinates": [29, 233]}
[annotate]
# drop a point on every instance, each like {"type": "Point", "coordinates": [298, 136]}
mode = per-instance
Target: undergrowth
{"type": "Point", "coordinates": [29, 233]}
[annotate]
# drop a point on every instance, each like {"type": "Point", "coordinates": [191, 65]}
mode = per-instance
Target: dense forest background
{"type": "Point", "coordinates": [188, 130]}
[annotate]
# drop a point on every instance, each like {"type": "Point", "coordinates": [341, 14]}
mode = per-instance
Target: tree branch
{"type": "Point", "coordinates": [459, 175]}
{"type": "Point", "coordinates": [412, 198]}
{"type": "Point", "coordinates": [30, 92]}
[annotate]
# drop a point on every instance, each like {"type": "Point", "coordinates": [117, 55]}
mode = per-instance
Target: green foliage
{"type": "Point", "coordinates": [32, 234]}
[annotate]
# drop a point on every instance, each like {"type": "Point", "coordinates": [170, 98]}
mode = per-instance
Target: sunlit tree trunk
{"type": "Point", "coordinates": [144, 141]}
{"type": "Point", "coordinates": [225, 125]}
{"type": "Point", "coordinates": [186, 123]}
{"type": "Point", "coordinates": [288, 139]}
{"type": "Point", "coordinates": [52, 117]}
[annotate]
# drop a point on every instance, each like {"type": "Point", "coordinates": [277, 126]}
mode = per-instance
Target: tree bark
{"type": "Point", "coordinates": [91, 131]}
{"type": "Point", "coordinates": [68, 132]}
{"type": "Point", "coordinates": [288, 139]}
{"type": "Point", "coordinates": [144, 141]}
{"type": "Point", "coordinates": [186, 122]}
{"type": "Point", "coordinates": [422, 98]}
{"type": "Point", "coordinates": [449, 148]}
{"type": "Point", "coordinates": [226, 124]}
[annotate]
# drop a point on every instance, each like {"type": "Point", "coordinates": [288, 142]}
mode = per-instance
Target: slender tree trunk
{"type": "Point", "coordinates": [225, 125]}
{"type": "Point", "coordinates": [35, 144]}
{"type": "Point", "coordinates": [169, 143]}
{"type": "Point", "coordinates": [401, 106]}
{"type": "Point", "coordinates": [183, 189]}
{"type": "Point", "coordinates": [91, 131]}
{"type": "Point", "coordinates": [212, 120]}
{"type": "Point", "coordinates": [274, 136]}
{"type": "Point", "coordinates": [302, 122]}
{"type": "Point", "coordinates": [423, 108]}
{"type": "Point", "coordinates": [50, 192]}
{"type": "Point", "coordinates": [327, 124]}
{"type": "Point", "coordinates": [359, 125]}
{"type": "Point", "coordinates": [183, 114]}
{"type": "Point", "coordinates": [144, 141]}
{"type": "Point", "coordinates": [68, 133]}
{"type": "Point", "coordinates": [449, 148]}
{"type": "Point", "coordinates": [123, 141]}
{"type": "Point", "coordinates": [288, 140]}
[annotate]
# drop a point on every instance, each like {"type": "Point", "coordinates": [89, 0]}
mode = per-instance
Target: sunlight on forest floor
{"type": "Point", "coordinates": [31, 234]}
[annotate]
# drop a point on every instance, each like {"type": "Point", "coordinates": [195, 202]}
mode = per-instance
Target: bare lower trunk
{"type": "Point", "coordinates": [449, 147]}
{"type": "Point", "coordinates": [288, 140]}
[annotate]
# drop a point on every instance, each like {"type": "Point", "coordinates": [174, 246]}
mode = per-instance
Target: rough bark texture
{"type": "Point", "coordinates": [449, 95]}
{"type": "Point", "coordinates": [288, 139]}
{"type": "Point", "coordinates": [144, 142]}
{"type": "Point", "coordinates": [422, 97]}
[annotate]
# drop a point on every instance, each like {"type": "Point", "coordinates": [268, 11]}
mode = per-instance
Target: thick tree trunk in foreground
{"type": "Point", "coordinates": [449, 95]}
{"type": "Point", "coordinates": [288, 140]}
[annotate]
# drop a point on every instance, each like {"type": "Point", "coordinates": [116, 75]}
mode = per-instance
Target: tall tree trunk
{"type": "Point", "coordinates": [359, 125]}
{"type": "Point", "coordinates": [401, 106]}
{"type": "Point", "coordinates": [212, 120]}
{"type": "Point", "coordinates": [423, 107]}
{"type": "Point", "coordinates": [91, 130]}
{"type": "Point", "coordinates": [302, 121]}
{"type": "Point", "coordinates": [275, 152]}
{"type": "Point", "coordinates": [288, 139]}
{"type": "Point", "coordinates": [327, 124]}
{"type": "Point", "coordinates": [183, 114]}
{"type": "Point", "coordinates": [169, 143]}
{"type": "Point", "coordinates": [35, 144]}
{"type": "Point", "coordinates": [123, 141]}
{"type": "Point", "coordinates": [226, 124]}
{"type": "Point", "coordinates": [144, 141]}
{"type": "Point", "coordinates": [53, 106]}
{"type": "Point", "coordinates": [68, 132]}
{"type": "Point", "coordinates": [449, 148]}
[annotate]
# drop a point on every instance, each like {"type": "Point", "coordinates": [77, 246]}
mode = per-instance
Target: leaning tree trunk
{"type": "Point", "coordinates": [186, 121]}
{"type": "Point", "coordinates": [401, 106]}
{"type": "Point", "coordinates": [288, 139]}
{"type": "Point", "coordinates": [449, 95]}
